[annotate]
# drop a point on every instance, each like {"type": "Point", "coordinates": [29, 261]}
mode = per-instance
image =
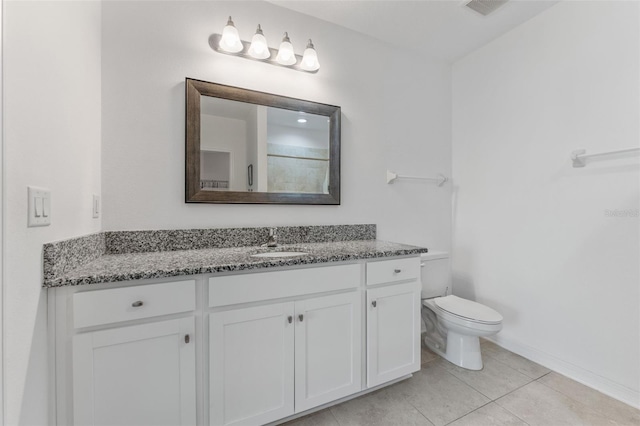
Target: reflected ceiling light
{"type": "Point", "coordinates": [310, 58]}
{"type": "Point", "coordinates": [286, 56]}
{"type": "Point", "coordinates": [259, 48]}
{"type": "Point", "coordinates": [302, 120]}
{"type": "Point", "coordinates": [229, 42]}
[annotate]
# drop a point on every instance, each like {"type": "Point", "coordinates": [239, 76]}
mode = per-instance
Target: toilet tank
{"type": "Point", "coordinates": [436, 274]}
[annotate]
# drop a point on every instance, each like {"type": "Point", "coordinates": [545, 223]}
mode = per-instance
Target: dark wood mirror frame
{"type": "Point", "coordinates": [193, 194]}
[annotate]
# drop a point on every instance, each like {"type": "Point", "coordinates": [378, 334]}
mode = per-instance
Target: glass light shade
{"type": "Point", "coordinates": [259, 48]}
{"type": "Point", "coordinates": [286, 56]}
{"type": "Point", "coordinates": [230, 40]}
{"type": "Point", "coordinates": [310, 58]}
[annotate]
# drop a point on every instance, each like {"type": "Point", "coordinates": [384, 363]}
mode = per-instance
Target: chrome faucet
{"type": "Point", "coordinates": [272, 241]}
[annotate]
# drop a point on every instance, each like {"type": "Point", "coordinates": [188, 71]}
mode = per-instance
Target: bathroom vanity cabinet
{"type": "Point", "coordinates": [393, 320]}
{"type": "Point", "coordinates": [125, 355]}
{"type": "Point", "coordinates": [249, 347]}
{"type": "Point", "coordinates": [296, 354]}
{"type": "Point", "coordinates": [142, 374]}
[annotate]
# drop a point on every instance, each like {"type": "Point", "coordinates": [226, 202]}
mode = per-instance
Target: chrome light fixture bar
{"type": "Point", "coordinates": [229, 43]}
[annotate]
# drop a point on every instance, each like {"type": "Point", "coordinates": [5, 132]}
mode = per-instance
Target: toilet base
{"type": "Point", "coordinates": [463, 351]}
{"type": "Point", "coordinates": [456, 340]}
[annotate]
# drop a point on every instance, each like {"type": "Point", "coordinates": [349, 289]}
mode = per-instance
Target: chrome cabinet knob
{"type": "Point", "coordinates": [374, 303]}
{"type": "Point", "coordinates": [137, 304]}
{"type": "Point", "coordinates": [300, 317]}
{"type": "Point", "coordinates": [290, 319]}
{"type": "Point", "coordinates": [397, 271]}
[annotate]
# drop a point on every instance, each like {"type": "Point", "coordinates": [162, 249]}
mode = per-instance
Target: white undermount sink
{"type": "Point", "coordinates": [280, 254]}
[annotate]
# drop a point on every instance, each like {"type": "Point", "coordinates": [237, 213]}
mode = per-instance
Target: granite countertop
{"type": "Point", "coordinates": [158, 264]}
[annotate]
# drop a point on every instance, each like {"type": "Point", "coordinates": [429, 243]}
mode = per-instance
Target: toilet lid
{"type": "Point", "coordinates": [472, 311]}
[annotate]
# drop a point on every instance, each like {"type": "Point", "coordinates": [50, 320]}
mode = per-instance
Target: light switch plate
{"type": "Point", "coordinates": [38, 206]}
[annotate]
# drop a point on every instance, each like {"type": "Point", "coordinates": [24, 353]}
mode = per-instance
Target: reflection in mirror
{"type": "Point", "coordinates": [288, 151]}
{"type": "Point", "coordinates": [245, 146]}
{"type": "Point", "coordinates": [297, 152]}
{"type": "Point", "coordinates": [215, 171]}
{"type": "Point", "coordinates": [225, 128]}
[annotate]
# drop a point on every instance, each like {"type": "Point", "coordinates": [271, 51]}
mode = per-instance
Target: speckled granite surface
{"type": "Point", "coordinates": [63, 257]}
{"type": "Point", "coordinates": [194, 239]}
{"type": "Point", "coordinates": [133, 266]}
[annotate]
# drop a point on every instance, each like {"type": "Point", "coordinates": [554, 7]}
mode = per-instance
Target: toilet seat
{"type": "Point", "coordinates": [467, 310]}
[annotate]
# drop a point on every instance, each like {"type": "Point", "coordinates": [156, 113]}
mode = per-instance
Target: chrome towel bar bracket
{"type": "Point", "coordinates": [439, 179]}
{"type": "Point", "coordinates": [579, 157]}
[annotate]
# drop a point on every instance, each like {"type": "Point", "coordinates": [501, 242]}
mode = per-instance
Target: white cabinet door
{"type": "Point", "coordinates": [393, 332]}
{"type": "Point", "coordinates": [251, 364]}
{"type": "Point", "coordinates": [137, 375]}
{"type": "Point", "coordinates": [328, 349]}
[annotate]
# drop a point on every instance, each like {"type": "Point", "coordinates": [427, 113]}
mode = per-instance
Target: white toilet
{"type": "Point", "coordinates": [453, 324]}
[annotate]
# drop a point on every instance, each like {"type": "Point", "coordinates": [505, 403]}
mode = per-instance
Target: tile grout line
{"type": "Point", "coordinates": [487, 396]}
{"type": "Point", "coordinates": [520, 387]}
{"type": "Point", "coordinates": [511, 412]}
{"type": "Point", "coordinates": [524, 374]}
{"type": "Point", "coordinates": [334, 416]}
{"type": "Point", "coordinates": [575, 400]}
{"type": "Point", "coordinates": [404, 398]}
{"type": "Point", "coordinates": [472, 411]}
{"type": "Point", "coordinates": [506, 409]}
{"type": "Point", "coordinates": [466, 384]}
{"type": "Point", "coordinates": [416, 408]}
{"type": "Point", "coordinates": [492, 400]}
{"type": "Point", "coordinates": [495, 401]}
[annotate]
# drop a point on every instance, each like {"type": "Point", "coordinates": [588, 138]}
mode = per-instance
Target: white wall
{"type": "Point", "coordinates": [395, 106]}
{"type": "Point", "coordinates": [2, 204]}
{"type": "Point", "coordinates": [52, 139]}
{"type": "Point", "coordinates": [531, 234]}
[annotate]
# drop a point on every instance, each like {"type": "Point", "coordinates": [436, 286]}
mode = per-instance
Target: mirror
{"type": "Point", "coordinates": [244, 146]}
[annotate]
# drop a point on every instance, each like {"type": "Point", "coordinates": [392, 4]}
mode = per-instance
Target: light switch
{"type": "Point", "coordinates": [38, 206]}
{"type": "Point", "coordinates": [46, 200]}
{"type": "Point", "coordinates": [96, 206]}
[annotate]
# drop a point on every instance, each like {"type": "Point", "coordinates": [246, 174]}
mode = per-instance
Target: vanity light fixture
{"type": "Point", "coordinates": [259, 48]}
{"type": "Point", "coordinates": [310, 58]}
{"type": "Point", "coordinates": [286, 56]}
{"type": "Point", "coordinates": [229, 42]}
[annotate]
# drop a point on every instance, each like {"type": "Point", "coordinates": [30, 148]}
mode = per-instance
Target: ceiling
{"type": "Point", "coordinates": [442, 29]}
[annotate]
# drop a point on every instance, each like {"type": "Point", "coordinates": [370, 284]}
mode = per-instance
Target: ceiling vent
{"type": "Point", "coordinates": [485, 7]}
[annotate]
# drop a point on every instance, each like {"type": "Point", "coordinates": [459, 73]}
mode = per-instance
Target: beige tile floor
{"type": "Point", "coordinates": [509, 390]}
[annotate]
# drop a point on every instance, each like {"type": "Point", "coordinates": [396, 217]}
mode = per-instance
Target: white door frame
{"type": "Point", "coordinates": [2, 223]}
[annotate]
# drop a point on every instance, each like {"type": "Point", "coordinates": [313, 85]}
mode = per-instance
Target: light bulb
{"type": "Point", "coordinates": [230, 40]}
{"type": "Point", "coordinates": [310, 58]}
{"type": "Point", "coordinates": [259, 48]}
{"type": "Point", "coordinates": [286, 56]}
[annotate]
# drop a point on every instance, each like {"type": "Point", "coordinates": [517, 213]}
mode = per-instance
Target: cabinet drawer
{"type": "Point", "coordinates": [234, 289]}
{"type": "Point", "coordinates": [386, 271]}
{"type": "Point", "coordinates": [130, 303]}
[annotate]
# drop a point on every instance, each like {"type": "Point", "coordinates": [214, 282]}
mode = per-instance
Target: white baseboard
{"type": "Point", "coordinates": [579, 374]}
